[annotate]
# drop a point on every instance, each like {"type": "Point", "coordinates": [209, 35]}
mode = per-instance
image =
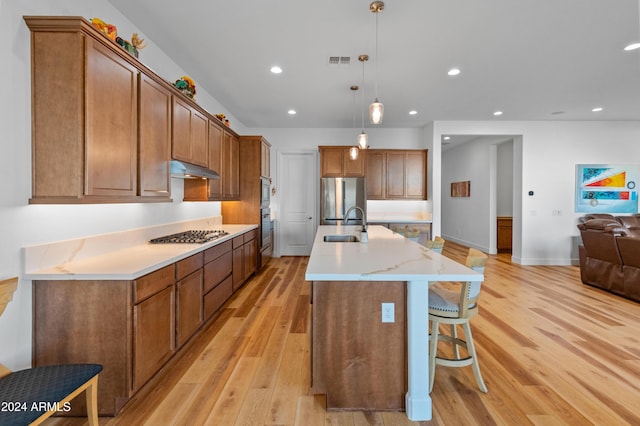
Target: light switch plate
{"type": "Point", "coordinates": [388, 312]}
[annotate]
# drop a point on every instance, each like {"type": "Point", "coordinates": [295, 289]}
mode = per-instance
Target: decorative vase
{"type": "Point", "coordinates": [226, 123]}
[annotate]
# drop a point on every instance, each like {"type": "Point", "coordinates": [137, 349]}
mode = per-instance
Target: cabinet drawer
{"type": "Point", "coordinates": [217, 251]}
{"type": "Point", "coordinates": [218, 270]}
{"type": "Point", "coordinates": [251, 235]}
{"type": "Point", "coordinates": [216, 297]}
{"type": "Point", "coordinates": [188, 265]}
{"type": "Point", "coordinates": [152, 283]}
{"type": "Point", "coordinates": [238, 241]}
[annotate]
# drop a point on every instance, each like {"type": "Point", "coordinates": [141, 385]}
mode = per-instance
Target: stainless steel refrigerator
{"type": "Point", "coordinates": [338, 195]}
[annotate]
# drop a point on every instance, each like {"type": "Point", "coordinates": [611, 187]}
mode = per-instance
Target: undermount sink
{"type": "Point", "coordinates": [341, 238]}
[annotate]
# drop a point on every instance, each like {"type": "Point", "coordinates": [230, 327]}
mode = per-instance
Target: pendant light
{"type": "Point", "coordinates": [376, 109]}
{"type": "Point", "coordinates": [353, 151]}
{"type": "Point", "coordinates": [362, 137]}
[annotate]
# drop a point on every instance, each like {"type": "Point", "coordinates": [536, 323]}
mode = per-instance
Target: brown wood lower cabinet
{"type": "Point", "coordinates": [245, 257]}
{"type": "Point", "coordinates": [153, 324]}
{"type": "Point", "coordinates": [505, 234]}
{"type": "Point", "coordinates": [358, 361]}
{"type": "Point", "coordinates": [133, 327]}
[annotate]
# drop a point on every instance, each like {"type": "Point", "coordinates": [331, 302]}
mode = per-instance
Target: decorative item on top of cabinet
{"type": "Point", "coordinates": [85, 150]}
{"type": "Point", "coordinates": [396, 174]}
{"type": "Point", "coordinates": [335, 161]}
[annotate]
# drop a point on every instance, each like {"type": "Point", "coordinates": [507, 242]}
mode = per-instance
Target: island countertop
{"type": "Point", "coordinates": [386, 256]}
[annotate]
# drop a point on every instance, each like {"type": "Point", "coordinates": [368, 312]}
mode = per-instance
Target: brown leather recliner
{"type": "Point", "coordinates": [610, 254]}
{"type": "Point", "coordinates": [629, 248]}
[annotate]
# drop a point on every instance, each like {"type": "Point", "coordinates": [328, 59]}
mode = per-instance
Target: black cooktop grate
{"type": "Point", "coordinates": [190, 237]}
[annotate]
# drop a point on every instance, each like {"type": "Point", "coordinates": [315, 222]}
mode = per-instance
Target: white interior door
{"type": "Point", "coordinates": [299, 192]}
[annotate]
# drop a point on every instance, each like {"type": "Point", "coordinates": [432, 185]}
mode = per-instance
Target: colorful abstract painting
{"type": "Point", "coordinates": [604, 188]}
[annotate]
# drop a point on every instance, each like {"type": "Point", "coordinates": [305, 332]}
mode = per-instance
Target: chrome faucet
{"type": "Point", "coordinates": [364, 217]}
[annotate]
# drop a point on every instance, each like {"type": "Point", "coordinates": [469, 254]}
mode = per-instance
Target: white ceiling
{"type": "Point", "coordinates": [527, 58]}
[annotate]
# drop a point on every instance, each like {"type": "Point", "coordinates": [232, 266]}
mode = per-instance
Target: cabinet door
{"type": "Point", "coordinates": [375, 174]}
{"type": "Point", "coordinates": [351, 167]}
{"type": "Point", "coordinates": [199, 138]}
{"type": "Point", "coordinates": [250, 258]}
{"type": "Point", "coordinates": [395, 176]}
{"type": "Point", "coordinates": [189, 136]}
{"type": "Point", "coordinates": [111, 123]}
{"type": "Point", "coordinates": [331, 161]}
{"type": "Point", "coordinates": [416, 175]}
{"type": "Point", "coordinates": [189, 306]}
{"type": "Point", "coordinates": [181, 130]}
{"type": "Point", "coordinates": [238, 267]}
{"type": "Point", "coordinates": [155, 138]}
{"type": "Point", "coordinates": [216, 140]}
{"type": "Point", "coordinates": [231, 158]}
{"type": "Point", "coordinates": [153, 335]}
{"type": "Point", "coordinates": [265, 159]}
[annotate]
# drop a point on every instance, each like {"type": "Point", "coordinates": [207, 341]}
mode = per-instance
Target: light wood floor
{"type": "Point", "coordinates": [552, 351]}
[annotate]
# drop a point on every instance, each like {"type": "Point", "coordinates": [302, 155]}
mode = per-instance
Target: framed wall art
{"type": "Point", "coordinates": [461, 189]}
{"type": "Point", "coordinates": [607, 188]}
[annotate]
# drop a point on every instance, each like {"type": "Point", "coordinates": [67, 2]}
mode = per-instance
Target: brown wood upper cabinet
{"type": "Point", "coordinates": [230, 167]}
{"type": "Point", "coordinates": [396, 174]}
{"type": "Point", "coordinates": [216, 142]}
{"type": "Point", "coordinates": [190, 133]}
{"type": "Point", "coordinates": [335, 161]}
{"type": "Point", "coordinates": [92, 141]}
{"type": "Point", "coordinates": [265, 158]}
{"type": "Point", "coordinates": [155, 137]}
{"type": "Point", "coordinates": [85, 137]}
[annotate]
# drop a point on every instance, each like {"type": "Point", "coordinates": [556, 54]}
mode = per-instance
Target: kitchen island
{"type": "Point", "coordinates": [370, 321]}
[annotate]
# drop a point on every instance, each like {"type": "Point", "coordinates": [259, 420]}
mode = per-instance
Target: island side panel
{"type": "Point", "coordinates": [358, 361]}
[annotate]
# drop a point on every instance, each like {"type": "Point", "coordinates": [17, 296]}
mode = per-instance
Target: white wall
{"type": "Point", "coordinates": [548, 153]}
{"type": "Point", "coordinates": [22, 224]}
{"type": "Point", "coordinates": [504, 180]}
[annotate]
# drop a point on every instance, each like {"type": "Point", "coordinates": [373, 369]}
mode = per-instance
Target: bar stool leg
{"type": "Point", "coordinates": [472, 352]}
{"type": "Point", "coordinates": [433, 348]}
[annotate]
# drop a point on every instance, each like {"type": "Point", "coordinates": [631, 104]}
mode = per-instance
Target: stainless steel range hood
{"type": "Point", "coordinates": [182, 170]}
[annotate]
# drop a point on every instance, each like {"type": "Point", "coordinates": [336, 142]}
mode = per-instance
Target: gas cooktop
{"type": "Point", "coordinates": [190, 237]}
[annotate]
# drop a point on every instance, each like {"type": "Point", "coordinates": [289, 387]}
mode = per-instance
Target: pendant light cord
{"type": "Point", "coordinates": [363, 95]}
{"type": "Point", "coordinates": [377, 60]}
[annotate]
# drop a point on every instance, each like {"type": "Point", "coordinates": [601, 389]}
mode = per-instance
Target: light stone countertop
{"type": "Point", "coordinates": [387, 256]}
{"type": "Point", "coordinates": [104, 258]}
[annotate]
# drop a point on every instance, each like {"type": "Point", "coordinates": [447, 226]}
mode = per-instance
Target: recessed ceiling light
{"type": "Point", "coordinates": [497, 113]}
{"type": "Point", "coordinates": [446, 138]}
{"type": "Point", "coordinates": [632, 46]}
{"type": "Point", "coordinates": [597, 109]}
{"type": "Point", "coordinates": [292, 112]}
{"type": "Point", "coordinates": [276, 69]}
{"type": "Point", "coordinates": [453, 71]}
{"type": "Point", "coordinates": [413, 112]}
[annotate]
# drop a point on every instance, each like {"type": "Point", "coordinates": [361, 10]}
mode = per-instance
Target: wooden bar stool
{"type": "Point", "coordinates": [453, 308]}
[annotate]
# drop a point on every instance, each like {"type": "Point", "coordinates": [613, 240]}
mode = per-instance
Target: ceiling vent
{"type": "Point", "coordinates": [339, 60]}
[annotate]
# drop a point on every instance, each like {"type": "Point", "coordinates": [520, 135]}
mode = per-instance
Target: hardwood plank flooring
{"type": "Point", "coordinates": [552, 351]}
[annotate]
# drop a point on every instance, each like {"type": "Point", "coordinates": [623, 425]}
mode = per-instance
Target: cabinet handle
{"type": "Point", "coordinates": [309, 218]}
